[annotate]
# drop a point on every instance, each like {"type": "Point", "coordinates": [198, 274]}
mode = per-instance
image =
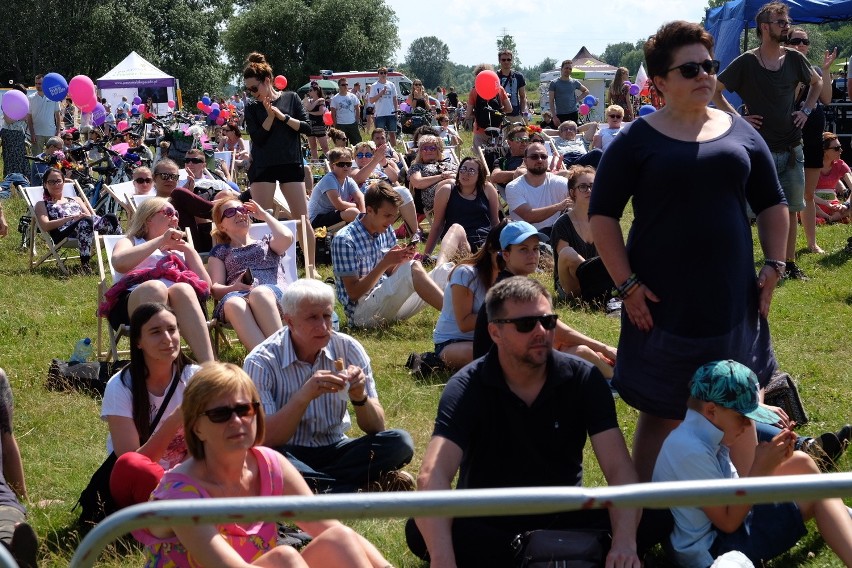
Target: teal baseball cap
{"type": "Point", "coordinates": [732, 385]}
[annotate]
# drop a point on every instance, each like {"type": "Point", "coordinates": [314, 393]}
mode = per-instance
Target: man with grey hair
{"type": "Point", "coordinates": [519, 417]}
{"type": "Point", "coordinates": [307, 374]}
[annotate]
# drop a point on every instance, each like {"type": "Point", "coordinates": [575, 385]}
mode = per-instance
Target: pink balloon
{"type": "Point", "coordinates": [487, 84]}
{"type": "Point", "coordinates": [120, 148]}
{"type": "Point", "coordinates": [81, 90]}
{"type": "Point", "coordinates": [327, 119]}
{"type": "Point", "coordinates": [171, 104]}
{"type": "Point", "coordinates": [15, 104]}
{"type": "Point", "coordinates": [122, 125]}
{"type": "Point", "coordinates": [142, 109]}
{"type": "Point", "coordinates": [89, 105]}
{"type": "Point", "coordinates": [280, 82]}
{"type": "Point", "coordinates": [207, 109]}
{"type": "Point", "coordinates": [220, 121]}
{"type": "Point", "coordinates": [584, 109]}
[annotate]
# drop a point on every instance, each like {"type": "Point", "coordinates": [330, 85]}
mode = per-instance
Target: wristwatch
{"type": "Point", "coordinates": [807, 111]}
{"type": "Point", "coordinates": [361, 402]}
{"type": "Point", "coordinates": [778, 265]}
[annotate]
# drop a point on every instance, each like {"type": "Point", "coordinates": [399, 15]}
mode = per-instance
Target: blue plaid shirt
{"type": "Point", "coordinates": [355, 252]}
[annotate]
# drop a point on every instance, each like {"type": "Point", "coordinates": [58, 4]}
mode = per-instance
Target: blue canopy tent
{"type": "Point", "coordinates": [726, 23]}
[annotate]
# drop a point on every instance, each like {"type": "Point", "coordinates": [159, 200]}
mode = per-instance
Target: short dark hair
{"type": "Point", "coordinates": [660, 47]}
{"type": "Point", "coordinates": [336, 154]}
{"type": "Point", "coordinates": [381, 192]}
{"type": "Point", "coordinates": [515, 129]}
{"type": "Point", "coordinates": [516, 289]}
{"type": "Point", "coordinates": [765, 14]}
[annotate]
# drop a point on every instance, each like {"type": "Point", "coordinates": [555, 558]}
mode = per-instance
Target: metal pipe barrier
{"type": "Point", "coordinates": [6, 558]}
{"type": "Point", "coordinates": [458, 503]}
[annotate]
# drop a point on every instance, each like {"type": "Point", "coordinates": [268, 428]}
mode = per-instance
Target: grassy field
{"type": "Point", "coordinates": [62, 438]}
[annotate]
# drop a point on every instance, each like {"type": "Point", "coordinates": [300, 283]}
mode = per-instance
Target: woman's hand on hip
{"type": "Point", "coordinates": [766, 282]}
{"type": "Point", "coordinates": [636, 305]}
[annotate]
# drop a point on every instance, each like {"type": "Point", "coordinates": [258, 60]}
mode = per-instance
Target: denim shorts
{"type": "Point", "coordinates": [219, 312]}
{"type": "Point", "coordinates": [387, 122]}
{"type": "Point", "coordinates": [790, 166]}
{"type": "Point", "coordinates": [769, 530]}
{"type": "Point", "coordinates": [441, 346]}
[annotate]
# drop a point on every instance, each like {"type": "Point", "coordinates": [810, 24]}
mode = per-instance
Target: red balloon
{"type": "Point", "coordinates": [487, 84]}
{"type": "Point", "coordinates": [199, 105]}
{"type": "Point", "coordinates": [225, 114]}
{"type": "Point", "coordinates": [326, 118]}
{"type": "Point", "coordinates": [280, 82]}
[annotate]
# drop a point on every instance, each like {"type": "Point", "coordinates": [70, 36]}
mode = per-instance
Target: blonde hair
{"type": "Point", "coordinates": [365, 144]}
{"type": "Point", "coordinates": [427, 139]}
{"type": "Point", "coordinates": [614, 108]}
{"type": "Point", "coordinates": [146, 210]}
{"type": "Point", "coordinates": [212, 381]}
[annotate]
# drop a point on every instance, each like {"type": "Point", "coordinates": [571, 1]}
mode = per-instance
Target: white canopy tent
{"type": "Point", "coordinates": [135, 76]}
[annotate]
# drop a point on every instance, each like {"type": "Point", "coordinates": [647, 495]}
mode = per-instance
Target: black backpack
{"type": "Point", "coordinates": [486, 112]}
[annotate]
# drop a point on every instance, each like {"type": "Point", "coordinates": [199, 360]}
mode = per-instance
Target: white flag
{"type": "Point", "coordinates": [641, 76]}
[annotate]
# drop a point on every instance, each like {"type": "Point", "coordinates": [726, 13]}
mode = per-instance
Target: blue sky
{"type": "Point", "coordinates": [556, 29]}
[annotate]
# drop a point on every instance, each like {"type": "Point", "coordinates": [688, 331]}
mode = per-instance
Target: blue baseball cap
{"type": "Point", "coordinates": [517, 232]}
{"type": "Point", "coordinates": [732, 385]}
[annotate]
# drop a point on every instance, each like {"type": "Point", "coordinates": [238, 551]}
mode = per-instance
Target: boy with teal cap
{"type": "Point", "coordinates": [724, 399]}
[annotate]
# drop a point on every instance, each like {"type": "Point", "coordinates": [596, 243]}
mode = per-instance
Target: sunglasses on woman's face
{"type": "Point", "coordinates": [143, 180]}
{"type": "Point", "coordinates": [837, 148]}
{"type": "Point", "coordinates": [168, 177]}
{"type": "Point", "coordinates": [194, 160]}
{"type": "Point", "coordinates": [54, 181]}
{"type": "Point", "coordinates": [798, 41]}
{"type": "Point", "coordinates": [168, 211]}
{"type": "Point", "coordinates": [222, 414]}
{"type": "Point", "coordinates": [690, 70]}
{"type": "Point", "coordinates": [364, 155]}
{"type": "Point", "coordinates": [231, 211]}
{"type": "Point", "coordinates": [527, 324]}
{"type": "Point", "coordinates": [252, 90]}
{"type": "Point", "coordinates": [428, 148]}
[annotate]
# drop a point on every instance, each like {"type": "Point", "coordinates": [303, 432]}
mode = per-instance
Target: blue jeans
{"type": "Point", "coordinates": [790, 167]}
{"type": "Point", "coordinates": [388, 123]}
{"type": "Point", "coordinates": [351, 463]}
{"type": "Point", "coordinates": [765, 433]}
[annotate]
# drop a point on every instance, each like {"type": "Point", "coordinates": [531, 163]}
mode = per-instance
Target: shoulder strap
{"type": "Point", "coordinates": [172, 388]}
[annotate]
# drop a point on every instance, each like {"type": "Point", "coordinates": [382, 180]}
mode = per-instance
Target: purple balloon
{"type": "Point", "coordinates": [634, 90]}
{"type": "Point", "coordinates": [15, 104]}
{"type": "Point", "coordinates": [215, 106]}
{"type": "Point", "coordinates": [137, 100]}
{"type": "Point", "coordinates": [99, 115]}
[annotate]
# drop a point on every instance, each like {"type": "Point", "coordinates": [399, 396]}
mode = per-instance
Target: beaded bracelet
{"type": "Point", "coordinates": [626, 287]}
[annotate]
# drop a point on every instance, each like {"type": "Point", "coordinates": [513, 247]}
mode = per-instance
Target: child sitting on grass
{"type": "Point", "coordinates": [723, 402]}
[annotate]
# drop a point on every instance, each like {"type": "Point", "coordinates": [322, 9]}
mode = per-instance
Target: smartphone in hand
{"type": "Point", "coordinates": [247, 277]}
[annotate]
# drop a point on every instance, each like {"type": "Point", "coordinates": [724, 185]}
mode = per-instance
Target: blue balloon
{"type": "Point", "coordinates": [590, 100]}
{"type": "Point", "coordinates": [646, 109]}
{"type": "Point", "coordinates": [205, 100]}
{"type": "Point", "coordinates": [55, 87]}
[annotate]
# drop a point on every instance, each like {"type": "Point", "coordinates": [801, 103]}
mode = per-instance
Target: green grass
{"type": "Point", "coordinates": [62, 438]}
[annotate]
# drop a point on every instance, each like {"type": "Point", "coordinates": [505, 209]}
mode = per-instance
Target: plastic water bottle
{"type": "Point", "coordinates": [335, 321]}
{"type": "Point", "coordinates": [83, 351]}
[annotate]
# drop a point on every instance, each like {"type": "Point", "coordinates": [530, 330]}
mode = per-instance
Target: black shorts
{"type": "Point", "coordinates": [282, 173]}
{"type": "Point", "coordinates": [812, 138]}
{"type": "Point", "coordinates": [326, 219]}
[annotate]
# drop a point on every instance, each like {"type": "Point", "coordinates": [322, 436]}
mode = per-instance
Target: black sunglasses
{"type": "Point", "coordinates": [250, 89]}
{"type": "Point", "coordinates": [690, 70]}
{"type": "Point", "coordinates": [223, 413]}
{"type": "Point", "coordinates": [343, 164]}
{"type": "Point", "coordinates": [194, 160]}
{"type": "Point", "coordinates": [143, 180]}
{"type": "Point", "coordinates": [798, 40]}
{"type": "Point", "coordinates": [527, 323]}
{"type": "Point", "coordinates": [167, 176]}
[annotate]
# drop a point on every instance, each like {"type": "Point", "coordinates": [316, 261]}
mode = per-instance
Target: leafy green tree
{"type": "Point", "coordinates": [427, 58]}
{"type": "Point", "coordinates": [300, 37]}
{"type": "Point", "coordinates": [506, 41]}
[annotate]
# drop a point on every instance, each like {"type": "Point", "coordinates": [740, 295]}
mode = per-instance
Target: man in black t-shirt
{"type": "Point", "coordinates": [519, 417]}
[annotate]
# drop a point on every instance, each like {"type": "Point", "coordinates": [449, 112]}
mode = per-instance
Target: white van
{"type": "Point", "coordinates": [367, 78]}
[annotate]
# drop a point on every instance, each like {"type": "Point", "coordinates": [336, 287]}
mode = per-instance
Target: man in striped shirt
{"type": "Point", "coordinates": [307, 374]}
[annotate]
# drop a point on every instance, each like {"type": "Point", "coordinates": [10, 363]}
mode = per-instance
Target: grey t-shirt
{"type": "Point", "coordinates": [565, 95]}
{"type": "Point", "coordinates": [770, 94]}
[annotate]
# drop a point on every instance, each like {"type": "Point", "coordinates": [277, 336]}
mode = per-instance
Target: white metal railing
{"type": "Point", "coordinates": [6, 559]}
{"type": "Point", "coordinates": [469, 503]}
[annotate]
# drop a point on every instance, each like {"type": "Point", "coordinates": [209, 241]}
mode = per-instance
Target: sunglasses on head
{"type": "Point", "coordinates": [194, 160]}
{"type": "Point", "coordinates": [250, 89]}
{"type": "Point", "coordinates": [798, 40]}
{"type": "Point", "coordinates": [223, 413]}
{"type": "Point", "coordinates": [364, 155]}
{"type": "Point", "coordinates": [143, 180]}
{"type": "Point", "coordinates": [527, 323]}
{"type": "Point", "coordinates": [172, 177]}
{"type": "Point", "coordinates": [690, 69]}
{"type": "Point", "coordinates": [168, 211]}
{"type": "Point", "coordinates": [231, 211]}
{"type": "Point", "coordinates": [343, 164]}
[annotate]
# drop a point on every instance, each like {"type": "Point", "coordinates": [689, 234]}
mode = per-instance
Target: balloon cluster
{"type": "Point", "coordinates": [216, 112]}
{"type": "Point", "coordinates": [588, 103]}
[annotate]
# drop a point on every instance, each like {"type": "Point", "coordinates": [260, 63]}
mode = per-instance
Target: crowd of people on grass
{"type": "Point", "coordinates": [692, 360]}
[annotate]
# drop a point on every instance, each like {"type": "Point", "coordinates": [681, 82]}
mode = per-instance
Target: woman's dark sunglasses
{"type": "Point", "coordinates": [223, 413]}
{"type": "Point", "coordinates": [798, 40]}
{"type": "Point", "coordinates": [527, 324]}
{"type": "Point", "coordinates": [231, 211]}
{"type": "Point", "coordinates": [194, 160]}
{"type": "Point", "coordinates": [143, 180]}
{"type": "Point", "coordinates": [690, 70]}
{"type": "Point", "coordinates": [250, 89]}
